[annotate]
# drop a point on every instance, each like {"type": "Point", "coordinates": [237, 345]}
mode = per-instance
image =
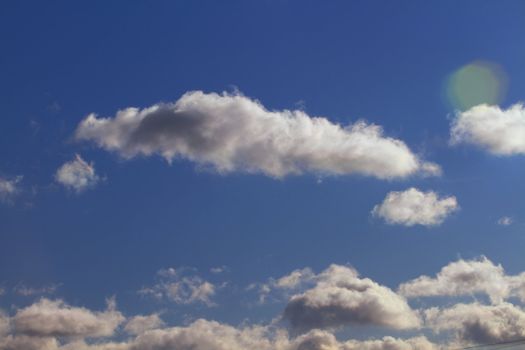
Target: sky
{"type": "Point", "coordinates": [267, 175]}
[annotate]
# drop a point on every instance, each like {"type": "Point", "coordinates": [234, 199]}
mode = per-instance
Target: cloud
{"type": "Point", "coordinates": [468, 277]}
{"type": "Point", "coordinates": [77, 175]}
{"type": "Point", "coordinates": [295, 279]}
{"type": "Point", "coordinates": [477, 323]}
{"type": "Point", "coordinates": [4, 323]}
{"type": "Point", "coordinates": [233, 133]}
{"type": "Point", "coordinates": [210, 335]}
{"type": "Point", "coordinates": [391, 343]}
{"type": "Point", "coordinates": [500, 131]}
{"type": "Point", "coordinates": [23, 342]}
{"type": "Point", "coordinates": [181, 289]}
{"type": "Point", "coordinates": [55, 318]}
{"type": "Point", "coordinates": [414, 207]}
{"type": "Point", "coordinates": [140, 324]}
{"type": "Point", "coordinates": [340, 297]}
{"type": "Point", "coordinates": [24, 290]}
{"type": "Point", "coordinates": [505, 221]}
{"type": "Point", "coordinates": [9, 188]}
{"type": "Point", "coordinates": [219, 269]}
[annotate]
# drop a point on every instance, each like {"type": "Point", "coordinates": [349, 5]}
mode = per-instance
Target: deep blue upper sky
{"type": "Point", "coordinates": [382, 61]}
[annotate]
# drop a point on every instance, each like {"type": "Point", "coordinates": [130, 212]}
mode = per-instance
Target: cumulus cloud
{"type": "Point", "coordinates": [139, 324]}
{"type": "Point", "coordinates": [500, 131]}
{"type": "Point", "coordinates": [77, 175]}
{"type": "Point", "coordinates": [181, 289]}
{"type": "Point", "coordinates": [414, 207]}
{"type": "Point", "coordinates": [233, 133]}
{"type": "Point", "coordinates": [391, 343]}
{"type": "Point", "coordinates": [55, 318]}
{"type": "Point", "coordinates": [24, 342]}
{"type": "Point", "coordinates": [479, 324]}
{"type": "Point", "coordinates": [4, 323]}
{"type": "Point", "coordinates": [340, 297]}
{"type": "Point", "coordinates": [9, 188]}
{"type": "Point", "coordinates": [505, 221]}
{"type": "Point", "coordinates": [468, 277]}
{"type": "Point", "coordinates": [211, 335]}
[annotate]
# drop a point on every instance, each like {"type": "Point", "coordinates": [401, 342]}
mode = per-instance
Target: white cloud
{"type": "Point", "coordinates": [232, 133]}
{"type": "Point", "coordinates": [219, 269]}
{"type": "Point", "coordinates": [54, 318]}
{"type": "Point", "coordinates": [211, 335]}
{"type": "Point", "coordinates": [77, 175]}
{"type": "Point", "coordinates": [139, 324]}
{"type": "Point", "coordinates": [505, 221]}
{"type": "Point", "coordinates": [23, 342]}
{"type": "Point", "coordinates": [4, 323]}
{"type": "Point", "coordinates": [500, 131]}
{"type": "Point", "coordinates": [340, 297]}
{"type": "Point", "coordinates": [181, 289]}
{"type": "Point", "coordinates": [391, 343]}
{"type": "Point", "coordinates": [462, 277]}
{"type": "Point", "coordinates": [9, 188]}
{"type": "Point", "coordinates": [477, 323]}
{"type": "Point", "coordinates": [295, 279]}
{"type": "Point", "coordinates": [414, 207]}
{"type": "Point", "coordinates": [468, 277]}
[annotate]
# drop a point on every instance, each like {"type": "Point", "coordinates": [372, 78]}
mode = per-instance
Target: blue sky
{"type": "Point", "coordinates": [124, 212]}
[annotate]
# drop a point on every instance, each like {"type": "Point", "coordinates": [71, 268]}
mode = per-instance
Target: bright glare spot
{"type": "Point", "coordinates": [476, 83]}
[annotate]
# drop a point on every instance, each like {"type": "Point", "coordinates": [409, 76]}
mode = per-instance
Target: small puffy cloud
{"type": "Point", "coordinates": [462, 277]}
{"type": "Point", "coordinates": [233, 133]}
{"type": "Point", "coordinates": [77, 175]}
{"type": "Point", "coordinates": [9, 188]}
{"type": "Point", "coordinates": [500, 131]}
{"type": "Point", "coordinates": [181, 289]}
{"type": "Point", "coordinates": [55, 318]}
{"type": "Point", "coordinates": [479, 324]}
{"type": "Point", "coordinates": [219, 269]}
{"type": "Point", "coordinates": [340, 297]}
{"type": "Point", "coordinates": [505, 221]}
{"type": "Point", "coordinates": [139, 324]}
{"type": "Point", "coordinates": [414, 207]}
{"type": "Point", "coordinates": [294, 280]}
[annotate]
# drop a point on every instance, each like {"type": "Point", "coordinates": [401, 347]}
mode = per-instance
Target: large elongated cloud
{"type": "Point", "coordinates": [233, 133]}
{"type": "Point", "coordinates": [500, 131]}
{"type": "Point", "coordinates": [414, 207]}
{"type": "Point", "coordinates": [340, 297]}
{"type": "Point", "coordinates": [468, 277]}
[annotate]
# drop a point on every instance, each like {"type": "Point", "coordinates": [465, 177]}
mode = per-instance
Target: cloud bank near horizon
{"type": "Point", "coordinates": [320, 305]}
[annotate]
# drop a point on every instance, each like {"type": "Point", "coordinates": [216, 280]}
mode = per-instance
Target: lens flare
{"type": "Point", "coordinates": [476, 83]}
